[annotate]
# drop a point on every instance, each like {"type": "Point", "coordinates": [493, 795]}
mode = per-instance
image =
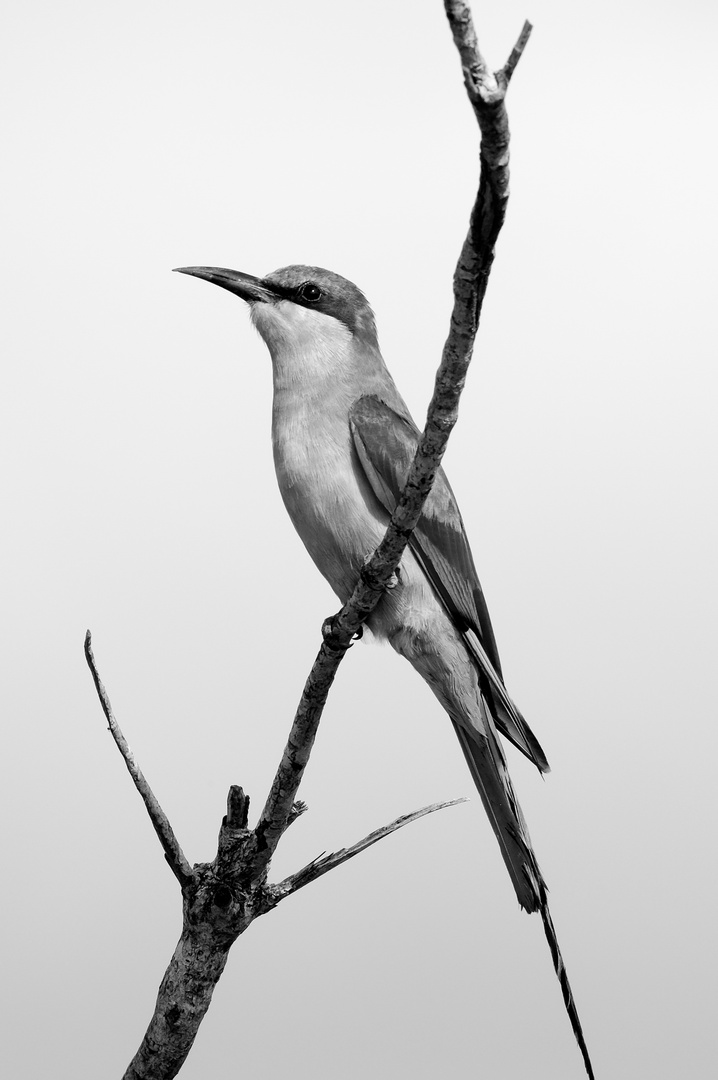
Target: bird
{"type": "Point", "coordinates": [343, 441]}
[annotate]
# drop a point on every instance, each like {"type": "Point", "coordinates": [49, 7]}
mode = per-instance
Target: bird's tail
{"type": "Point", "coordinates": [487, 763]}
{"type": "Point", "coordinates": [562, 974]}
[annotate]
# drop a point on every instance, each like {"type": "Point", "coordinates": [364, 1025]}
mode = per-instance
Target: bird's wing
{"type": "Point", "coordinates": [386, 441]}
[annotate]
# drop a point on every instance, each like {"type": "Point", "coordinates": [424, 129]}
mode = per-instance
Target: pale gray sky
{"type": "Point", "coordinates": [140, 501]}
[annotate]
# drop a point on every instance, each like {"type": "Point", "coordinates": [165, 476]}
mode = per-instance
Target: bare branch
{"type": "Point", "coordinates": [173, 852]}
{"type": "Point", "coordinates": [476, 70]}
{"type": "Point", "coordinates": [237, 808]}
{"type": "Point", "coordinates": [297, 810]}
{"type": "Point", "coordinates": [481, 82]}
{"type": "Point", "coordinates": [324, 863]}
{"type": "Point", "coordinates": [275, 816]}
{"type": "Point", "coordinates": [517, 51]}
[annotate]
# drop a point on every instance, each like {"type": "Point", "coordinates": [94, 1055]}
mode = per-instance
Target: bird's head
{"type": "Point", "coordinates": [311, 319]}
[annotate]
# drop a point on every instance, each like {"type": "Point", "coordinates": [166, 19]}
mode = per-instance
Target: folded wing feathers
{"type": "Point", "coordinates": [385, 441]}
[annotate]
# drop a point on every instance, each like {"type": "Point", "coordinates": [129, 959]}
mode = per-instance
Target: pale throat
{"type": "Point", "coordinates": [308, 348]}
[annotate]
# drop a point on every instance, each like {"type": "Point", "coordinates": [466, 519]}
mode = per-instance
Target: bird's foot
{"type": "Point", "coordinates": [393, 580]}
{"type": "Point", "coordinates": [328, 628]}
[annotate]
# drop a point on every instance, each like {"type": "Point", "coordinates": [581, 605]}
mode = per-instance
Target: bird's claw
{"type": "Point", "coordinates": [393, 580]}
{"type": "Point", "coordinates": [328, 631]}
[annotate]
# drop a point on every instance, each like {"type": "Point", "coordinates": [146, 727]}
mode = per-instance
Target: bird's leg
{"type": "Point", "coordinates": [329, 623]}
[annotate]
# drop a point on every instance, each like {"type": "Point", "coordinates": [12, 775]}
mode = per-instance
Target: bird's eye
{"type": "Point", "coordinates": [310, 292]}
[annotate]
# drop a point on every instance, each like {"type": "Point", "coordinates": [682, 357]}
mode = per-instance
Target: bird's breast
{"type": "Point", "coordinates": [323, 485]}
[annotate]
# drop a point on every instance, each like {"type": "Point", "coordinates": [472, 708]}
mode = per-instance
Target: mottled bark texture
{"type": "Point", "coordinates": [222, 898]}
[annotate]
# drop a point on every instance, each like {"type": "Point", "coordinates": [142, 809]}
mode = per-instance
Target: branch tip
{"type": "Point", "coordinates": [324, 863]}
{"type": "Point", "coordinates": [237, 808]}
{"type": "Point", "coordinates": [517, 52]}
{"type": "Point", "coordinates": [160, 822]}
{"type": "Point", "coordinates": [298, 808]}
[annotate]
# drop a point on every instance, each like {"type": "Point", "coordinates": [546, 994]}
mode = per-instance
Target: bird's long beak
{"type": "Point", "coordinates": [250, 288]}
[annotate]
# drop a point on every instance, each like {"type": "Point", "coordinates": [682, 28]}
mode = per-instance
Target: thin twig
{"type": "Point", "coordinates": [517, 51]}
{"type": "Point", "coordinates": [173, 852]}
{"type": "Point", "coordinates": [324, 863]}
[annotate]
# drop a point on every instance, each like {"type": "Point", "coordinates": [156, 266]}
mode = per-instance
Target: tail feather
{"type": "Point", "coordinates": [487, 763]}
{"type": "Point", "coordinates": [562, 974]}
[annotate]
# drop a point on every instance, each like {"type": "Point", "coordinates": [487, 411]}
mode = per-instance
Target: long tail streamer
{"type": "Point", "coordinates": [560, 968]}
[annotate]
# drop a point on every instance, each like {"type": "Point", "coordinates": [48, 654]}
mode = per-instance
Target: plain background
{"type": "Point", "coordinates": [139, 500]}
